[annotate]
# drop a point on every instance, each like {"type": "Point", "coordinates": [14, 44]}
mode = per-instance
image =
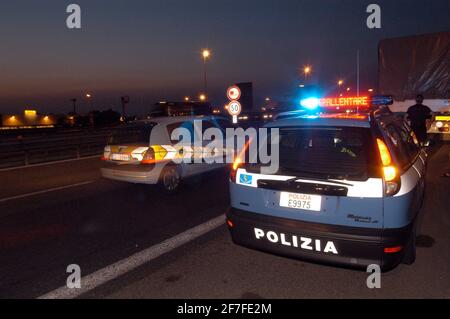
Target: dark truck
{"type": "Point", "coordinates": [414, 65]}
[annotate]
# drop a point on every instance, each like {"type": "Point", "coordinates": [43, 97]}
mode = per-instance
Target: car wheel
{"type": "Point", "coordinates": [410, 250]}
{"type": "Point", "coordinates": [170, 179]}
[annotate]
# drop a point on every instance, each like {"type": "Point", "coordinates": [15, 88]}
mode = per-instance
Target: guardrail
{"type": "Point", "coordinates": [55, 147]}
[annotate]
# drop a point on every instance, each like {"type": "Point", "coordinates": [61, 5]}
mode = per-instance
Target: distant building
{"type": "Point", "coordinates": [246, 99]}
{"type": "Point", "coordinates": [29, 119]}
{"type": "Point", "coordinates": [181, 108]}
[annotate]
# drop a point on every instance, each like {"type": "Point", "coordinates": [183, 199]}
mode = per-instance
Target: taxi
{"type": "Point", "coordinates": [143, 152]}
{"type": "Point", "coordinates": [348, 191]}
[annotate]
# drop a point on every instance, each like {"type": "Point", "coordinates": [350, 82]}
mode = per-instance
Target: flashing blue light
{"type": "Point", "coordinates": [310, 103]}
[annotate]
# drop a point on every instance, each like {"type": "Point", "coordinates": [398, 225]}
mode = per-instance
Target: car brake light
{"type": "Point", "coordinates": [389, 171]}
{"type": "Point", "coordinates": [390, 174]}
{"type": "Point", "coordinates": [237, 163]}
{"type": "Point", "coordinates": [393, 250]}
{"type": "Point", "coordinates": [148, 158]}
{"type": "Point", "coordinates": [384, 153]}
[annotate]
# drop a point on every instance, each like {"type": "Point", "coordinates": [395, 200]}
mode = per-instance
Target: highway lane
{"type": "Point", "coordinates": [213, 267]}
{"type": "Point", "coordinates": [27, 180]}
{"type": "Point", "coordinates": [91, 225]}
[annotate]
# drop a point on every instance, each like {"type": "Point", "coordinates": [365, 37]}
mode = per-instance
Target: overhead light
{"type": "Point", "coordinates": [30, 112]}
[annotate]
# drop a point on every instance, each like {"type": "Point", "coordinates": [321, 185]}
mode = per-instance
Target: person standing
{"type": "Point", "coordinates": [418, 115]}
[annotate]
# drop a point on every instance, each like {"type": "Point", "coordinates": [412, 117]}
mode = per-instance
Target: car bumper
{"type": "Point", "coordinates": [137, 175]}
{"type": "Point", "coordinates": [353, 247]}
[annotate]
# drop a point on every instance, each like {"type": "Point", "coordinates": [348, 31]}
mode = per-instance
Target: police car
{"type": "Point", "coordinates": [348, 190]}
{"type": "Point", "coordinates": [143, 152]}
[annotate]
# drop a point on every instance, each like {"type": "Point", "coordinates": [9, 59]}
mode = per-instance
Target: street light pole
{"type": "Point", "coordinates": [89, 98]}
{"type": "Point", "coordinates": [340, 83]}
{"type": "Point", "coordinates": [357, 73]}
{"type": "Point", "coordinates": [206, 54]}
{"type": "Point", "coordinates": [205, 77]}
{"type": "Point", "coordinates": [306, 70]}
{"type": "Point", "coordinates": [74, 101]}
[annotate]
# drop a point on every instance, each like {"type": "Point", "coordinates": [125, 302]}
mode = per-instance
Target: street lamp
{"type": "Point", "coordinates": [206, 54]}
{"type": "Point", "coordinates": [89, 98]}
{"type": "Point", "coordinates": [307, 71]}
{"type": "Point", "coordinates": [202, 97]}
{"type": "Point", "coordinates": [187, 98]}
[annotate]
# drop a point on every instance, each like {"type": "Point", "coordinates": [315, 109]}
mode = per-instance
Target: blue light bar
{"type": "Point", "coordinates": [378, 100]}
{"type": "Point", "coordinates": [310, 103]}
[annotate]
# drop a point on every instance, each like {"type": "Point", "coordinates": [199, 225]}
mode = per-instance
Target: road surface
{"type": "Point", "coordinates": [126, 240]}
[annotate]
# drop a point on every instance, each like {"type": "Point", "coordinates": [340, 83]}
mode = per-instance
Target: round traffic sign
{"type": "Point", "coordinates": [234, 108]}
{"type": "Point", "coordinates": [234, 93]}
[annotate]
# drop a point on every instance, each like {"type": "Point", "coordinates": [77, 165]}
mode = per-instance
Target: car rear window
{"type": "Point", "coordinates": [327, 152]}
{"type": "Point", "coordinates": [136, 134]}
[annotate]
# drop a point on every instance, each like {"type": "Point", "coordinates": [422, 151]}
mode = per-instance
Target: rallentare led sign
{"type": "Point", "coordinates": [344, 101]}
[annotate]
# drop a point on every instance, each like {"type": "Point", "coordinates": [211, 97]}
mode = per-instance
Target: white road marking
{"type": "Point", "coordinates": [44, 191]}
{"type": "Point", "coordinates": [126, 265]}
{"type": "Point", "coordinates": [49, 163]}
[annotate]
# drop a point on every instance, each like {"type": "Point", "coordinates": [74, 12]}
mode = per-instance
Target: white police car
{"type": "Point", "coordinates": [348, 190]}
{"type": "Point", "coordinates": [143, 152]}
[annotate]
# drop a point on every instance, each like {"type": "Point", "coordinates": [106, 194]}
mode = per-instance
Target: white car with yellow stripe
{"type": "Point", "coordinates": [144, 153]}
{"type": "Point", "coordinates": [440, 126]}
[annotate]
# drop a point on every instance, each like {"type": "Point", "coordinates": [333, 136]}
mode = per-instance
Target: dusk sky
{"type": "Point", "coordinates": [150, 49]}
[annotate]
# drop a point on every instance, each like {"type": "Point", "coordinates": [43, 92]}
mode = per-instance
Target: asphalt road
{"type": "Point", "coordinates": [56, 215]}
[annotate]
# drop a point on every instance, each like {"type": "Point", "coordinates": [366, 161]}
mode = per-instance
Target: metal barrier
{"type": "Point", "coordinates": [55, 147]}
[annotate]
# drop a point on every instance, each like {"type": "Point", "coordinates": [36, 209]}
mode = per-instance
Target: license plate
{"type": "Point", "coordinates": [120, 157]}
{"type": "Point", "coordinates": [301, 201]}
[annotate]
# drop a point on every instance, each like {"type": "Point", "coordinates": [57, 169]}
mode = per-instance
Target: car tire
{"type": "Point", "coordinates": [410, 250]}
{"type": "Point", "coordinates": [170, 180]}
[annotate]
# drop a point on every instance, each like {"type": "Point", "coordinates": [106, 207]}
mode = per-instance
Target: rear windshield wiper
{"type": "Point", "coordinates": [292, 180]}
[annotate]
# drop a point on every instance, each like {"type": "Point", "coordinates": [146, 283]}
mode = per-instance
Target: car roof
{"type": "Point", "coordinates": [327, 119]}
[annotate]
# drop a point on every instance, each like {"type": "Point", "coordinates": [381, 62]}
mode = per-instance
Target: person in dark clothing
{"type": "Point", "coordinates": [418, 115]}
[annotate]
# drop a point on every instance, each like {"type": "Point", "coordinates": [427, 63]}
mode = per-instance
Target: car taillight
{"type": "Point", "coordinates": [106, 153]}
{"type": "Point", "coordinates": [234, 168]}
{"type": "Point", "coordinates": [390, 174]}
{"type": "Point", "coordinates": [393, 250]}
{"type": "Point", "coordinates": [149, 157]}
{"type": "Point", "coordinates": [239, 160]}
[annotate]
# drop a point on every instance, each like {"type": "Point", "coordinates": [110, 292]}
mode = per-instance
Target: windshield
{"type": "Point", "coordinates": [327, 153]}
